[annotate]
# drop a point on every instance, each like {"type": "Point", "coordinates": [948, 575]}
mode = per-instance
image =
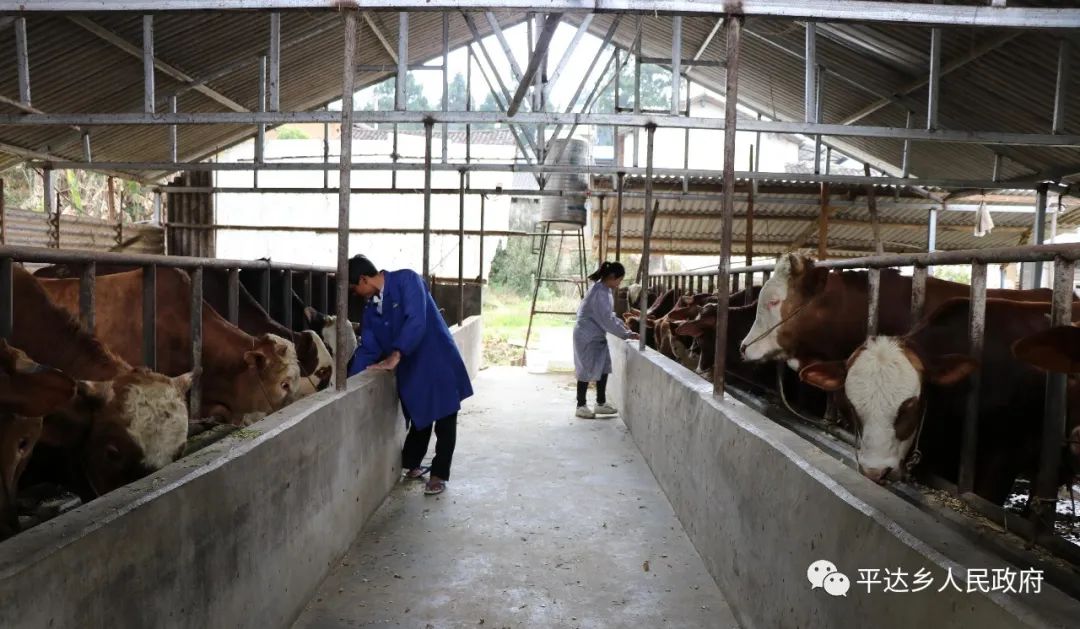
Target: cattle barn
{"type": "Point", "coordinates": [853, 397]}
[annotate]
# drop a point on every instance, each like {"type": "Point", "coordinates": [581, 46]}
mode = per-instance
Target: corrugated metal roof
{"type": "Point", "coordinates": [786, 215]}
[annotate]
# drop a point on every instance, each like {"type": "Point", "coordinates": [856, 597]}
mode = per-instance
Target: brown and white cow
{"type": "Point", "coordinates": [807, 313]}
{"type": "Point", "coordinates": [123, 423]}
{"type": "Point", "coordinates": [244, 377]}
{"type": "Point", "coordinates": [899, 390]}
{"type": "Point", "coordinates": [1058, 350]}
{"type": "Point", "coordinates": [27, 391]}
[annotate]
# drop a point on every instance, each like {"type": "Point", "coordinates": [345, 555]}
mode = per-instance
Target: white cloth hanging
{"type": "Point", "coordinates": [984, 223]}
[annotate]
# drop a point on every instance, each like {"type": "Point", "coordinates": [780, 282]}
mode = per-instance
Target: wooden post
{"type": "Point", "coordinates": [875, 223]}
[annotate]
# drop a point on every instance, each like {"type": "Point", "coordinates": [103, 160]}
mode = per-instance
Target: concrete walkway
{"type": "Point", "coordinates": [548, 521]}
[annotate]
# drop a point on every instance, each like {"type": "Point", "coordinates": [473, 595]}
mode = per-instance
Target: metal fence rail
{"type": "Point", "coordinates": [315, 281]}
{"type": "Point", "coordinates": [1064, 257]}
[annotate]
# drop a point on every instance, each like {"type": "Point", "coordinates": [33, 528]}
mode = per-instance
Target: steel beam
{"type": "Point", "coordinates": [569, 52]}
{"type": "Point", "coordinates": [445, 82]}
{"type": "Point", "coordinates": [1040, 230]}
{"type": "Point", "coordinates": [148, 63]}
{"type": "Point", "coordinates": [160, 65]}
{"type": "Point", "coordinates": [676, 63]}
{"type": "Point", "coordinates": [400, 102]}
{"type": "Point", "coordinates": [22, 57]}
{"type": "Point", "coordinates": [810, 74]}
{"type": "Point", "coordinates": [275, 62]}
{"type": "Point", "coordinates": [538, 56]}
{"type": "Point", "coordinates": [88, 155]}
{"type": "Point", "coordinates": [905, 159]}
{"type": "Point", "coordinates": [935, 80]}
{"type": "Point", "coordinates": [496, 29]}
{"type": "Point", "coordinates": [1061, 90]}
{"type": "Point", "coordinates": [379, 35]}
{"type": "Point", "coordinates": [955, 136]}
{"type": "Point", "coordinates": [174, 141]}
{"type": "Point", "coordinates": [643, 268]}
{"type": "Point", "coordinates": [427, 203]}
{"type": "Point", "coordinates": [960, 16]}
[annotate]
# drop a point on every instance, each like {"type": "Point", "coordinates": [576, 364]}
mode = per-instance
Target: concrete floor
{"type": "Point", "coordinates": [548, 521]}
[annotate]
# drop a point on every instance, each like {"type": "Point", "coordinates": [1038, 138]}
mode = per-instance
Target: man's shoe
{"type": "Point", "coordinates": [605, 409]}
{"type": "Point", "coordinates": [584, 413]}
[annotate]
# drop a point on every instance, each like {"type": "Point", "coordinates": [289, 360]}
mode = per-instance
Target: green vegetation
{"type": "Point", "coordinates": [82, 193]}
{"type": "Point", "coordinates": [291, 133]}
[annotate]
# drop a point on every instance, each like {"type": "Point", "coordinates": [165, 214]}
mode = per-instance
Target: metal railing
{"type": "Point", "coordinates": [316, 290]}
{"type": "Point", "coordinates": [1064, 256]}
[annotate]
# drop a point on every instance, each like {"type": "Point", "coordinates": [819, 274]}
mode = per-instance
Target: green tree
{"type": "Point", "coordinates": [385, 92]}
{"type": "Point", "coordinates": [655, 93]}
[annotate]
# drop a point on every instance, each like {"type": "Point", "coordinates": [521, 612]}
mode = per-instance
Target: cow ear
{"type": "Point", "coordinates": [355, 327]}
{"type": "Point", "coordinates": [951, 369]}
{"type": "Point", "coordinates": [183, 382]}
{"type": "Point", "coordinates": [310, 314]}
{"type": "Point", "coordinates": [795, 263]}
{"type": "Point", "coordinates": [691, 328]}
{"type": "Point", "coordinates": [1056, 349]}
{"type": "Point", "coordinates": [827, 375]}
{"type": "Point", "coordinates": [255, 358]}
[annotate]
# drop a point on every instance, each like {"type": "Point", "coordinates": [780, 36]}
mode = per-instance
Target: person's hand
{"type": "Point", "coordinates": [388, 363]}
{"type": "Point", "coordinates": [633, 336]}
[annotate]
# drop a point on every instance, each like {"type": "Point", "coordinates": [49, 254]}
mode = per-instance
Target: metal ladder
{"type": "Point", "coordinates": [547, 230]}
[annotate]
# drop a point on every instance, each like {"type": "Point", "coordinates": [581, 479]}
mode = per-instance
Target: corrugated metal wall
{"type": "Point", "coordinates": [32, 229]}
{"type": "Point", "coordinates": [188, 213]}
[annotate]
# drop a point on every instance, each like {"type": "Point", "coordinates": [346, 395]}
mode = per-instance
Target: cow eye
{"type": "Point", "coordinates": [112, 453]}
{"type": "Point", "coordinates": [774, 303]}
{"type": "Point", "coordinates": [285, 385]}
{"type": "Point", "coordinates": [24, 443]}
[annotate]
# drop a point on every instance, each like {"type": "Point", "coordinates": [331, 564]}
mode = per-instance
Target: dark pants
{"type": "Point", "coordinates": [416, 445]}
{"type": "Point", "coordinates": [601, 391]}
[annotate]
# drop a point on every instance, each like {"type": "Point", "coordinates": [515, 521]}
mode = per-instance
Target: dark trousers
{"type": "Point", "coordinates": [601, 391]}
{"type": "Point", "coordinates": [416, 445]}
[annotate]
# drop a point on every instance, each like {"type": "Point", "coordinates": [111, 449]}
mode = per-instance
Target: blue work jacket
{"type": "Point", "coordinates": [431, 376]}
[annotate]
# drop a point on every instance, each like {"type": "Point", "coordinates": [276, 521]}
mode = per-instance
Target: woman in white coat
{"type": "Point", "coordinates": [595, 320]}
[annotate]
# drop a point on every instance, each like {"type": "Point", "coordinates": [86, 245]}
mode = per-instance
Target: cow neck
{"type": "Point", "coordinates": [66, 345]}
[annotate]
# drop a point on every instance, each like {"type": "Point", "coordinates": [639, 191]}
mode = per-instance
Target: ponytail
{"type": "Point", "coordinates": [606, 270]}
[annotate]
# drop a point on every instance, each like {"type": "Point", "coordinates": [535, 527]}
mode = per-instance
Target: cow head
{"type": "Point", "coordinates": [1058, 349]}
{"type": "Point", "coordinates": [326, 326]}
{"type": "Point", "coordinates": [794, 282]}
{"type": "Point", "coordinates": [316, 363]}
{"type": "Point", "coordinates": [269, 380]}
{"type": "Point", "coordinates": [880, 389]}
{"type": "Point", "coordinates": [27, 391]}
{"type": "Point", "coordinates": [121, 430]}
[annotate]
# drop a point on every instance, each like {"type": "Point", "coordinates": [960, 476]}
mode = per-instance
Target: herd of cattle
{"type": "Point", "coordinates": [79, 410]}
{"type": "Point", "coordinates": [903, 392]}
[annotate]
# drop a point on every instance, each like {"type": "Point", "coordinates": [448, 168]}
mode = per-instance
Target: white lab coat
{"type": "Point", "coordinates": [595, 319]}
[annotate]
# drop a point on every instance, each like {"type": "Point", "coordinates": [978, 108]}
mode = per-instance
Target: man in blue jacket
{"type": "Point", "coordinates": [404, 332]}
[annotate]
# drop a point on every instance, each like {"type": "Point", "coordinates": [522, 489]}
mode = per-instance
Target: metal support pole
{"type": "Point", "coordinates": [643, 301]}
{"type": "Point", "coordinates": [1044, 508]}
{"type": "Point", "coordinates": [326, 153]}
{"type": "Point", "coordinates": [174, 142]}
{"type": "Point", "coordinates": [823, 224]}
{"type": "Point", "coordinates": [400, 97]}
{"type": "Point", "coordinates": [468, 102]}
{"type": "Point", "coordinates": [23, 59]}
{"type": "Point", "coordinates": [1040, 231]}
{"type": "Point", "coordinates": [260, 137]}
{"type": "Point", "coordinates": [874, 281]}
{"type": "Point", "coordinates": [264, 289]}
{"type": "Point", "coordinates": [461, 250]}
{"type": "Point", "coordinates": [149, 316]}
{"type": "Point", "coordinates": [819, 106]}
{"type": "Point", "coordinates": [233, 308]}
{"type": "Point", "coordinates": [148, 63]}
{"type": "Point", "coordinates": [47, 182]}
{"type": "Point", "coordinates": [445, 81]}
{"type": "Point", "coordinates": [637, 85]}
{"type": "Point", "coordinates": [603, 231]}
{"type": "Point", "coordinates": [195, 396]}
{"type": "Point", "coordinates": [427, 202]}
{"type": "Point", "coordinates": [935, 80]}
{"type": "Point", "coordinates": [931, 230]}
{"type": "Point", "coordinates": [676, 62]}
{"type": "Point", "coordinates": [976, 333]}
{"type": "Point", "coordinates": [275, 62]}
{"type": "Point", "coordinates": [87, 296]}
{"type": "Point", "coordinates": [731, 99]}
{"type": "Point", "coordinates": [7, 311]}
{"type": "Point", "coordinates": [1061, 91]}
{"type": "Point", "coordinates": [905, 160]}
{"type": "Point", "coordinates": [341, 279]}
{"type": "Point", "coordinates": [88, 155]}
{"type": "Point", "coordinates": [618, 217]}
{"type": "Point", "coordinates": [750, 225]}
{"type": "Point", "coordinates": [286, 299]}
{"type": "Point", "coordinates": [483, 203]}
{"type": "Point", "coordinates": [810, 89]}
{"type": "Point", "coordinates": [918, 292]}
{"type": "Point", "coordinates": [998, 157]}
